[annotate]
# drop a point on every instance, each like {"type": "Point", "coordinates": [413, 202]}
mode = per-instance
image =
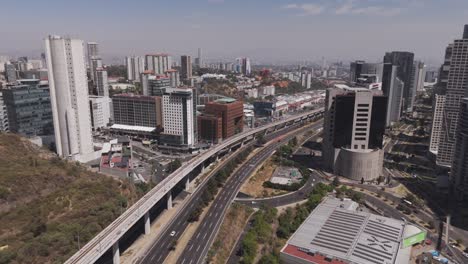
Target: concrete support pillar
{"type": "Point", "coordinates": [169, 200]}
{"type": "Point", "coordinates": [242, 144]}
{"type": "Point", "coordinates": [187, 183]}
{"type": "Point", "coordinates": [217, 158]}
{"type": "Point", "coordinates": [116, 253]}
{"type": "Point", "coordinates": [147, 224]}
{"type": "Point", "coordinates": [202, 168]}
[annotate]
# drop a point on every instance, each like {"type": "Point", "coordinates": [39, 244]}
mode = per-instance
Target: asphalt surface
{"type": "Point", "coordinates": [204, 236]}
{"type": "Point", "coordinates": [286, 199]}
{"type": "Point", "coordinates": [165, 242]}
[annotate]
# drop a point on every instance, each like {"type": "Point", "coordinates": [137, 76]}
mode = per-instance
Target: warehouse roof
{"type": "Point", "coordinates": [335, 230]}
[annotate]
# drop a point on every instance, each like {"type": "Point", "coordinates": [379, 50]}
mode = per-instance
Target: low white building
{"type": "Point", "coordinates": [100, 111]}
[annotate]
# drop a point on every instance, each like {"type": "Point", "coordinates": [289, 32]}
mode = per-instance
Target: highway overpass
{"type": "Point", "coordinates": [140, 212]}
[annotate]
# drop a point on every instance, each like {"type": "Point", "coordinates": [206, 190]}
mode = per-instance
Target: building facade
{"type": "Point", "coordinates": [100, 108]}
{"type": "Point", "coordinates": [439, 102]}
{"type": "Point", "coordinates": [174, 77]}
{"type": "Point", "coordinates": [29, 110]}
{"type": "Point", "coordinates": [419, 76]}
{"type": "Point", "coordinates": [210, 128]}
{"type": "Point", "coordinates": [158, 63]}
{"type": "Point", "coordinates": [363, 70]}
{"type": "Point", "coordinates": [3, 114]}
{"type": "Point", "coordinates": [155, 85]}
{"type": "Point", "coordinates": [135, 66]}
{"type": "Point", "coordinates": [69, 98]}
{"type": "Point", "coordinates": [92, 51]}
{"type": "Point", "coordinates": [460, 161]}
{"type": "Point", "coordinates": [102, 85]}
{"type": "Point", "coordinates": [457, 88]}
{"type": "Point", "coordinates": [137, 110]}
{"type": "Point", "coordinates": [404, 60]}
{"type": "Point", "coordinates": [437, 119]}
{"type": "Point", "coordinates": [231, 113]}
{"type": "Point", "coordinates": [393, 88]}
{"type": "Point", "coordinates": [179, 118]}
{"type": "Point", "coordinates": [353, 132]}
{"type": "Point", "coordinates": [11, 74]}
{"type": "Point", "coordinates": [186, 67]}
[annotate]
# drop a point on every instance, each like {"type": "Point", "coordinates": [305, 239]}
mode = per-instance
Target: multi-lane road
{"type": "Point", "coordinates": [206, 232]}
{"type": "Point", "coordinates": [195, 252]}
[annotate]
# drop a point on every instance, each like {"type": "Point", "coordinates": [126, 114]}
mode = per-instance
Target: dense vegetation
{"type": "Point", "coordinates": [265, 220]}
{"type": "Point", "coordinates": [117, 71]}
{"type": "Point", "coordinates": [50, 207]}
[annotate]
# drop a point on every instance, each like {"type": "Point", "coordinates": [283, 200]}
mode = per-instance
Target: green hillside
{"type": "Point", "coordinates": [49, 206]}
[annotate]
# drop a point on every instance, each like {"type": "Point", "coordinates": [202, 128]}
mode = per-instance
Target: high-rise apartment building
{"type": "Point", "coordinates": [3, 114]}
{"type": "Point", "coordinates": [199, 58]}
{"type": "Point", "coordinates": [69, 98]}
{"type": "Point", "coordinates": [179, 106]}
{"type": "Point", "coordinates": [158, 63]}
{"type": "Point", "coordinates": [101, 82]}
{"type": "Point", "coordinates": [404, 60]}
{"type": "Point", "coordinates": [11, 74]}
{"type": "Point", "coordinates": [353, 132]}
{"type": "Point", "coordinates": [245, 66]}
{"type": "Point", "coordinates": [185, 67]}
{"type": "Point", "coordinates": [94, 64]}
{"type": "Point", "coordinates": [100, 111]}
{"type": "Point", "coordinates": [173, 77]}
{"type": "Point", "coordinates": [135, 66]}
{"type": "Point", "coordinates": [306, 80]}
{"type": "Point", "coordinates": [438, 105]}
{"type": "Point", "coordinates": [459, 174]}
{"type": "Point", "coordinates": [457, 88]}
{"type": "Point", "coordinates": [28, 108]}
{"type": "Point", "coordinates": [419, 75]}
{"type": "Point", "coordinates": [392, 87]}
{"type": "Point", "coordinates": [92, 51]}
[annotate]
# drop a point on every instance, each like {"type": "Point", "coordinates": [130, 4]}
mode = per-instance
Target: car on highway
{"type": "Point", "coordinates": [465, 254]}
{"type": "Point", "coordinates": [173, 233]}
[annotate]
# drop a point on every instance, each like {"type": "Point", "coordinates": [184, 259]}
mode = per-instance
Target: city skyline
{"type": "Point", "coordinates": [422, 27]}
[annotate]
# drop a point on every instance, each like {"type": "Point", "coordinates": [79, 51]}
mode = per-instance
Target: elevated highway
{"type": "Point", "coordinates": [140, 211]}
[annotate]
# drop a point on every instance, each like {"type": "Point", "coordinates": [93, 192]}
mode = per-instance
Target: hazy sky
{"type": "Point", "coordinates": [261, 29]}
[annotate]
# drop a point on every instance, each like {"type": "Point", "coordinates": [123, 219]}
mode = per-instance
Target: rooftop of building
{"type": "Point", "coordinates": [158, 77]}
{"type": "Point", "coordinates": [158, 54]}
{"type": "Point", "coordinates": [226, 100]}
{"type": "Point", "coordinates": [336, 231]}
{"type": "Point", "coordinates": [131, 95]}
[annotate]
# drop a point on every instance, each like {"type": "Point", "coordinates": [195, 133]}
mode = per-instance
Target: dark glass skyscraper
{"type": "Point", "coordinates": [404, 60]}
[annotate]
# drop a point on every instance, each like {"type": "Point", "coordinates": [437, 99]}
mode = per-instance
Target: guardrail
{"type": "Point", "coordinates": [95, 248]}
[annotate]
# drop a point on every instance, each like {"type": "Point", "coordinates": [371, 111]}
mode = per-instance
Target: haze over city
{"type": "Point", "coordinates": [280, 30]}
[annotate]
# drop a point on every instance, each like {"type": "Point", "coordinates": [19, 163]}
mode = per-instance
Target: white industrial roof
{"type": "Point", "coordinates": [333, 229]}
